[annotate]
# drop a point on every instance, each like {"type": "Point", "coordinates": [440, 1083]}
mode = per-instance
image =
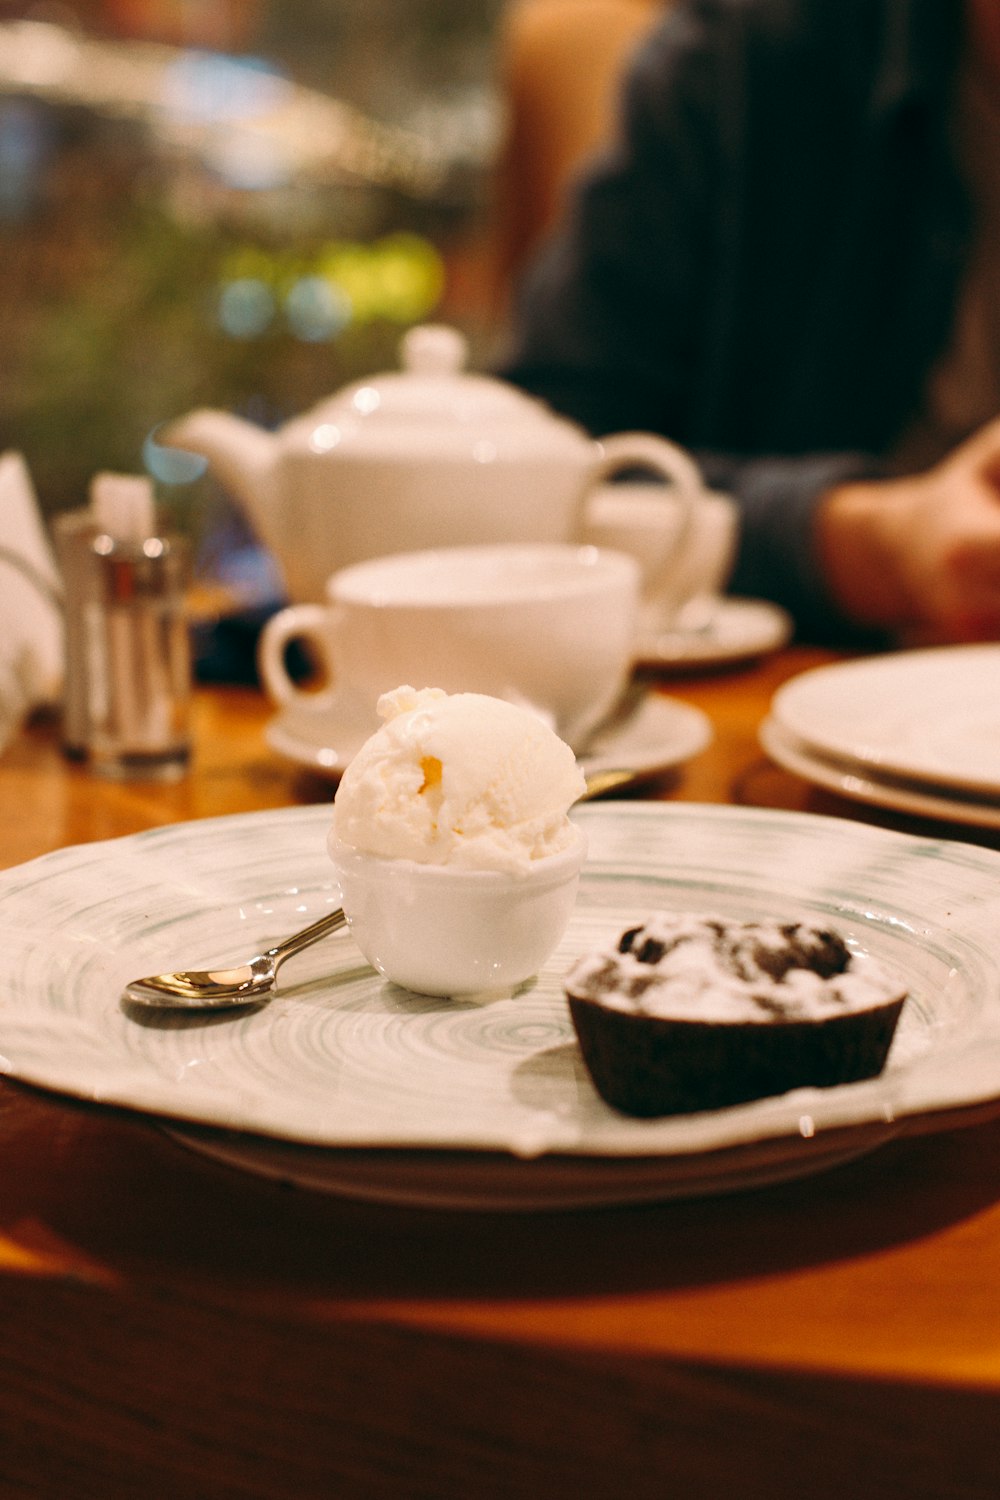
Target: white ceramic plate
{"type": "Point", "coordinates": [654, 735]}
{"type": "Point", "coordinates": [930, 715]}
{"type": "Point", "coordinates": [853, 781]}
{"type": "Point", "coordinates": [482, 1104]}
{"type": "Point", "coordinates": [732, 630]}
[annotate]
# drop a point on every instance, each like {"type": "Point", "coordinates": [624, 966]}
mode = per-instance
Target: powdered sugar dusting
{"type": "Point", "coordinates": [706, 968]}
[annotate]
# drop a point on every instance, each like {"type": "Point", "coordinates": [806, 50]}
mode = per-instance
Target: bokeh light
{"type": "Point", "coordinates": [212, 87]}
{"type": "Point", "coordinates": [317, 309]}
{"type": "Point", "coordinates": [246, 307]}
{"type": "Point", "coordinates": [171, 466]}
{"type": "Point", "coordinates": [399, 277]}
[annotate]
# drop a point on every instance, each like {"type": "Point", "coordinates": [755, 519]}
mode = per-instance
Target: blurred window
{"type": "Point", "coordinates": [240, 203]}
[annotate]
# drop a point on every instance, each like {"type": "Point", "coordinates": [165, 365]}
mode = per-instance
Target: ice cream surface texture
{"type": "Point", "coordinates": [458, 779]}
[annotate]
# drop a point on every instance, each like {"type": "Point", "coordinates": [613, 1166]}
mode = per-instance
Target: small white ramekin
{"type": "Point", "coordinates": [439, 930]}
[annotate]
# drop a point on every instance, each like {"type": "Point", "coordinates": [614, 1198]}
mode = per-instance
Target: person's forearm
{"type": "Point", "coordinates": [857, 538]}
{"type": "Point", "coordinates": [920, 550]}
{"type": "Point", "coordinates": [777, 552]}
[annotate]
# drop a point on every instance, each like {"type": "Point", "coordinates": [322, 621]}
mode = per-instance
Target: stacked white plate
{"type": "Point", "coordinates": [915, 731]}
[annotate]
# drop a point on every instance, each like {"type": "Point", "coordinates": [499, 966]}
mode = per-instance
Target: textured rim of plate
{"type": "Point", "coordinates": [496, 1183]}
{"type": "Point", "coordinates": [849, 782]}
{"type": "Point", "coordinates": [928, 907]}
{"type": "Point", "coordinates": [741, 630]}
{"type": "Point", "coordinates": [658, 735]}
{"type": "Point", "coordinates": [844, 679]}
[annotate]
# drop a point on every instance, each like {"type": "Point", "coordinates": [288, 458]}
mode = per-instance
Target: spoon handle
{"type": "Point", "coordinates": [332, 922]}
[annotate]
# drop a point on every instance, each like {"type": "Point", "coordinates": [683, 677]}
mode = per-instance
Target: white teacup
{"type": "Point", "coordinates": [682, 567]}
{"type": "Point", "coordinates": [550, 625]}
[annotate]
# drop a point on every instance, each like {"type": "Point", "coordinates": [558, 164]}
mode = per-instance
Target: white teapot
{"type": "Point", "coordinates": [428, 456]}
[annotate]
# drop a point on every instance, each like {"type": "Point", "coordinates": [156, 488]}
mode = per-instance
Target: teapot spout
{"type": "Point", "coordinates": [240, 455]}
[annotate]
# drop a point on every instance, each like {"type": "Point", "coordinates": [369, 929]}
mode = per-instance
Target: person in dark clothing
{"type": "Point", "coordinates": [789, 262]}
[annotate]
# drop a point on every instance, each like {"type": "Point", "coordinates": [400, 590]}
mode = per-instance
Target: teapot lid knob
{"type": "Point", "coordinates": [433, 349]}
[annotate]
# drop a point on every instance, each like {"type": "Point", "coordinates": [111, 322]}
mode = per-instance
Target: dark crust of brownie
{"type": "Point", "coordinates": [647, 1065]}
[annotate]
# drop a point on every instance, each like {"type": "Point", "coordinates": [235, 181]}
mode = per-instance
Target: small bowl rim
{"type": "Point", "coordinates": [562, 863]}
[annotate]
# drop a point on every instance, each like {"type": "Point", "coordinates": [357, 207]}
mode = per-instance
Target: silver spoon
{"type": "Point", "coordinates": [216, 989]}
{"type": "Point", "coordinates": [208, 989]}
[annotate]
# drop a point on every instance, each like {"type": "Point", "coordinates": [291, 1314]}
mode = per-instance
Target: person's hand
{"type": "Point", "coordinates": [922, 552]}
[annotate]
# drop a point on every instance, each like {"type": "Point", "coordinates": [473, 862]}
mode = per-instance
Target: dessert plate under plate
{"type": "Point", "coordinates": [351, 1084]}
{"type": "Point", "coordinates": [931, 715]}
{"type": "Point", "coordinates": [733, 630]}
{"type": "Point", "coordinates": [655, 734]}
{"type": "Point", "coordinates": [920, 799]}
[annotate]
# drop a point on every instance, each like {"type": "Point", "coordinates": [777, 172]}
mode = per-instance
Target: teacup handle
{"type": "Point", "coordinates": [645, 450]}
{"type": "Point", "coordinates": [309, 622]}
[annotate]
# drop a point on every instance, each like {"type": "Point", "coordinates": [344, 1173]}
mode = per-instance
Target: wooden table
{"type": "Point", "coordinates": [172, 1328]}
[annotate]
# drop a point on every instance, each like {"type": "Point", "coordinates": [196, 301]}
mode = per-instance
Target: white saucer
{"type": "Point", "coordinates": [856, 781]}
{"type": "Point", "coordinates": [735, 630]}
{"type": "Point", "coordinates": [656, 735]}
{"type": "Point", "coordinates": [321, 742]}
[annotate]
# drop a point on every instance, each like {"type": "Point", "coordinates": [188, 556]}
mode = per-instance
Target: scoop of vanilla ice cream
{"type": "Point", "coordinates": [459, 779]}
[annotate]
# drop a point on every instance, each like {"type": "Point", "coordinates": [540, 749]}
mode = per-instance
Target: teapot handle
{"type": "Point", "coordinates": [645, 450]}
{"type": "Point", "coordinates": [305, 622]}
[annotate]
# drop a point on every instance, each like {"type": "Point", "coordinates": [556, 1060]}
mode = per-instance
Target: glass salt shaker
{"type": "Point", "coordinates": [126, 708]}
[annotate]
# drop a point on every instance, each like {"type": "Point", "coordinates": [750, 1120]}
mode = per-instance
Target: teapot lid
{"type": "Point", "coordinates": [435, 404]}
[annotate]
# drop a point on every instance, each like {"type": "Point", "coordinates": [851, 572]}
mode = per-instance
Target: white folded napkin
{"type": "Point", "coordinates": [31, 627]}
